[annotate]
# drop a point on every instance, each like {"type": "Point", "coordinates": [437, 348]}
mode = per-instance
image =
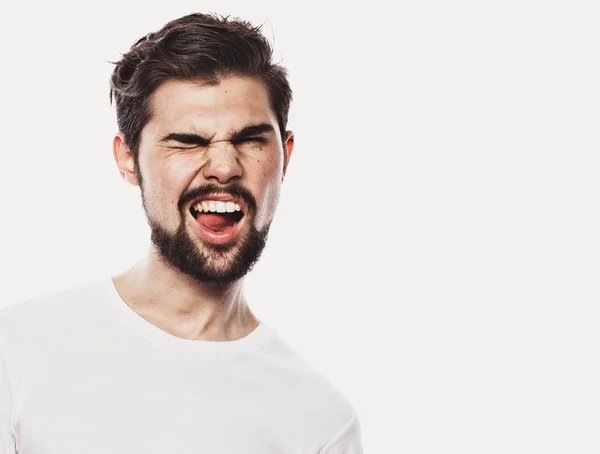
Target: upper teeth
{"type": "Point", "coordinates": [216, 206]}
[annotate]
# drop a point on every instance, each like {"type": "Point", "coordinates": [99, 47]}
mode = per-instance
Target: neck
{"type": "Point", "coordinates": [182, 306]}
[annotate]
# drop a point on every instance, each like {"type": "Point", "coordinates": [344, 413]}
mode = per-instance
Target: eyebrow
{"type": "Point", "coordinates": [196, 139]}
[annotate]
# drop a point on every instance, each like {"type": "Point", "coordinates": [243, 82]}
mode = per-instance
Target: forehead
{"type": "Point", "coordinates": [191, 106]}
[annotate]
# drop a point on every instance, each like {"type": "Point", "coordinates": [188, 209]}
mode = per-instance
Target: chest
{"type": "Point", "coordinates": [145, 406]}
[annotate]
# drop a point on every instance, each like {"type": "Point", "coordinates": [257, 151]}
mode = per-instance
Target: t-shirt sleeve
{"type": "Point", "coordinates": [7, 441]}
{"type": "Point", "coordinates": [347, 441]}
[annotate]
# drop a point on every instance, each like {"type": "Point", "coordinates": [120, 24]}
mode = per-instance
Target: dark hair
{"type": "Point", "coordinates": [194, 47]}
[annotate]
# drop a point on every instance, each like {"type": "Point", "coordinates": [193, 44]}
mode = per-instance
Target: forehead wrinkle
{"type": "Point", "coordinates": [173, 111]}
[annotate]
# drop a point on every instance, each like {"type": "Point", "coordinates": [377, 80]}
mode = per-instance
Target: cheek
{"type": "Point", "coordinates": [167, 181]}
{"type": "Point", "coordinates": [270, 174]}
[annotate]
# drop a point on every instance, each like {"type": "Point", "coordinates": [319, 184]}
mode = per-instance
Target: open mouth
{"type": "Point", "coordinates": [218, 220]}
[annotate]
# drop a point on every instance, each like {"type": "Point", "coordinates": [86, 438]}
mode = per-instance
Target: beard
{"type": "Point", "coordinates": [210, 263]}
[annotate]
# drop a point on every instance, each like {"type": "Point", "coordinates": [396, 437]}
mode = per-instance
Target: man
{"type": "Point", "coordinates": [167, 357]}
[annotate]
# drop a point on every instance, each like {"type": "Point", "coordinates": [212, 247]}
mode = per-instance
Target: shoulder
{"type": "Point", "coordinates": [49, 314]}
{"type": "Point", "coordinates": [325, 408]}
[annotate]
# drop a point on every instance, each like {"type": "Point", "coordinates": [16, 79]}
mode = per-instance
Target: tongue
{"type": "Point", "coordinates": [216, 221]}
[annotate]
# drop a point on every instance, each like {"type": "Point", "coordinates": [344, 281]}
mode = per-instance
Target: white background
{"type": "Point", "coordinates": [436, 252]}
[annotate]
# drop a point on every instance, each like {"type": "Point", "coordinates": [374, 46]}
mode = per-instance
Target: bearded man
{"type": "Point", "coordinates": [167, 357]}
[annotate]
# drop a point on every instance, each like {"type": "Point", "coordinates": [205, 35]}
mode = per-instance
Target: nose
{"type": "Point", "coordinates": [223, 164]}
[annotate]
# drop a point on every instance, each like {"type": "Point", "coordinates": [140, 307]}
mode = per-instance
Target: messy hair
{"type": "Point", "coordinates": [197, 47]}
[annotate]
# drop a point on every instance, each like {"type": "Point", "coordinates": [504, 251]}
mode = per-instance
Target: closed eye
{"type": "Point", "coordinates": [186, 148]}
{"type": "Point", "coordinates": [252, 140]}
{"type": "Point", "coordinates": [256, 140]}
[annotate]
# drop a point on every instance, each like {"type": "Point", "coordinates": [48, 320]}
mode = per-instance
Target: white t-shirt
{"type": "Point", "coordinates": [82, 373]}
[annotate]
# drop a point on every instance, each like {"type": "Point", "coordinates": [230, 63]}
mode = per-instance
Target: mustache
{"type": "Point", "coordinates": [233, 189]}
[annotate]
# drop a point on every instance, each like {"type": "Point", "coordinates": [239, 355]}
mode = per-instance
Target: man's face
{"type": "Point", "coordinates": [209, 149]}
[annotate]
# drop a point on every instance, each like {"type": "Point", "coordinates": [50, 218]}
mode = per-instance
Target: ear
{"type": "Point", "coordinates": [124, 160]}
{"type": "Point", "coordinates": [288, 147]}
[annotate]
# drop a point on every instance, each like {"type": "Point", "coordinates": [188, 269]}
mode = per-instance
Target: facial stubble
{"type": "Point", "coordinates": [208, 263]}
